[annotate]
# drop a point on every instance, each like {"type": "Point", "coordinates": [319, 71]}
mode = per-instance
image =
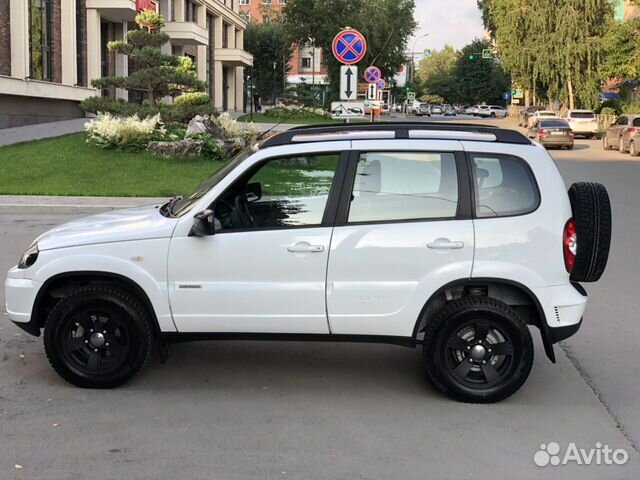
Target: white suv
{"type": "Point", "coordinates": [450, 236]}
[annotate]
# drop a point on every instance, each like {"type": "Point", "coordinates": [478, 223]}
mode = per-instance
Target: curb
{"type": "Point", "coordinates": [39, 205]}
{"type": "Point", "coordinates": [38, 209]}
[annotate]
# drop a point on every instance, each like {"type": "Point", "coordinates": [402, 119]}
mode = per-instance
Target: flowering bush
{"type": "Point", "coordinates": [234, 129]}
{"type": "Point", "coordinates": [292, 112]}
{"type": "Point", "coordinates": [128, 133]}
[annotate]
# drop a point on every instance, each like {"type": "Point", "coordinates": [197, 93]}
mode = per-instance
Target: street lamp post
{"type": "Point", "coordinates": [413, 56]}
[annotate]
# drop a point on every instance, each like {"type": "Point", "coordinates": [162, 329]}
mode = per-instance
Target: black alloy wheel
{"type": "Point", "coordinates": [478, 350]}
{"type": "Point", "coordinates": [98, 337]}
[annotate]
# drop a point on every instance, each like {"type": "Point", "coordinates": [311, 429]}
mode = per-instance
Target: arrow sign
{"type": "Point", "coordinates": [372, 92]}
{"type": "Point", "coordinates": [348, 76]}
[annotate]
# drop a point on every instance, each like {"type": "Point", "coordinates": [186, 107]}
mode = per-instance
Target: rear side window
{"type": "Point", "coordinates": [636, 122]}
{"type": "Point", "coordinates": [504, 186]}
{"type": "Point", "coordinates": [404, 186]}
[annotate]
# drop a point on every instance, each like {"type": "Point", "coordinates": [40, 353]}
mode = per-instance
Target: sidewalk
{"type": "Point", "coordinates": [25, 204]}
{"type": "Point", "coordinates": [9, 136]}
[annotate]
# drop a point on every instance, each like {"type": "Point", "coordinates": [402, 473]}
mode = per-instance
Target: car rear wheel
{"type": "Point", "coordinates": [605, 143]}
{"type": "Point", "coordinates": [98, 337]}
{"type": "Point", "coordinates": [621, 148]}
{"type": "Point", "coordinates": [477, 350]}
{"type": "Point", "coordinates": [592, 216]}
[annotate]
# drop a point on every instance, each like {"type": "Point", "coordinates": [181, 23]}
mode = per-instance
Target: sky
{"type": "Point", "coordinates": [453, 22]}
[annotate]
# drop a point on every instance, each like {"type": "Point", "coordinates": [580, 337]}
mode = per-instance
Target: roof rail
{"type": "Point", "coordinates": [400, 130]}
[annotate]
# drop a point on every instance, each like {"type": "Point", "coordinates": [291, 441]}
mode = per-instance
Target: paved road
{"type": "Point", "coordinates": [248, 410]}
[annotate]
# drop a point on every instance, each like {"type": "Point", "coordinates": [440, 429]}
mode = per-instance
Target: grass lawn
{"type": "Point", "coordinates": [68, 166]}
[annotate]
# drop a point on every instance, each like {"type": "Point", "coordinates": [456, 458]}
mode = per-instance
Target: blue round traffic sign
{"type": "Point", "coordinates": [381, 84]}
{"type": "Point", "coordinates": [349, 46]}
{"type": "Point", "coordinates": [372, 74]}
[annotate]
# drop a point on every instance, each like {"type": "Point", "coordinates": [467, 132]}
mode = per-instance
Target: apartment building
{"type": "Point", "coordinates": [306, 64]}
{"type": "Point", "coordinates": [51, 50]}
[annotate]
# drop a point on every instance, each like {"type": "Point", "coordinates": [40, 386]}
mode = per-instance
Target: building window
{"type": "Point", "coordinates": [306, 62]}
{"type": "Point", "coordinates": [225, 35]}
{"type": "Point", "coordinates": [80, 42]}
{"type": "Point", "coordinates": [245, 2]}
{"type": "Point", "coordinates": [190, 11]}
{"type": "Point", "coordinates": [246, 16]}
{"type": "Point", "coordinates": [266, 2]}
{"type": "Point", "coordinates": [40, 41]}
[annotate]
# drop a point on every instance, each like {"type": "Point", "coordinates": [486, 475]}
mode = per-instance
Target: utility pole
{"type": "Point", "coordinates": [274, 83]}
{"type": "Point", "coordinates": [413, 56]}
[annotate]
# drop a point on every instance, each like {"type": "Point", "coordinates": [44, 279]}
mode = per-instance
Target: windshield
{"type": "Point", "coordinates": [182, 206]}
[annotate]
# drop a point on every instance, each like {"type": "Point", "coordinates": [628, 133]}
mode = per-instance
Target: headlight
{"type": "Point", "coordinates": [29, 257]}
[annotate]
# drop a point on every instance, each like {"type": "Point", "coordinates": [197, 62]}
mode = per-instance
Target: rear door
{"type": "Point", "coordinates": [403, 231]}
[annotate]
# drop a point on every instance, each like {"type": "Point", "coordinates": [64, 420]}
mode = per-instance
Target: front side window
{"type": "Point", "coordinates": [504, 186]}
{"type": "Point", "coordinates": [404, 186]}
{"type": "Point", "coordinates": [281, 193]}
{"type": "Point", "coordinates": [40, 40]}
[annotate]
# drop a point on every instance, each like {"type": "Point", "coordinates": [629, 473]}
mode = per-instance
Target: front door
{"type": "Point", "coordinates": [264, 268]}
{"type": "Point", "coordinates": [405, 235]}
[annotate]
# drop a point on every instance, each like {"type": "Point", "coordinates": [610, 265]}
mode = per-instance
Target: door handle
{"type": "Point", "coordinates": [445, 244]}
{"type": "Point", "coordinates": [304, 247]}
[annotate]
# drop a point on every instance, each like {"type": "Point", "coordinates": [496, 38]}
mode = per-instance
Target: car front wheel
{"type": "Point", "coordinates": [98, 336]}
{"type": "Point", "coordinates": [478, 350]}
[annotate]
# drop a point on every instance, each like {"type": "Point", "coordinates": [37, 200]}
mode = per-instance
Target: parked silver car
{"type": "Point", "coordinates": [619, 134]}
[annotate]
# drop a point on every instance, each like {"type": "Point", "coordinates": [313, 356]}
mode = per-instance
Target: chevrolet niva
{"type": "Point", "coordinates": [454, 237]}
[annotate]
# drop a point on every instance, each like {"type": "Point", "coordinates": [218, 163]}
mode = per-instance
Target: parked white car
{"type": "Point", "coordinates": [533, 119]}
{"type": "Point", "coordinates": [583, 122]}
{"type": "Point", "coordinates": [492, 111]}
{"type": "Point", "coordinates": [456, 238]}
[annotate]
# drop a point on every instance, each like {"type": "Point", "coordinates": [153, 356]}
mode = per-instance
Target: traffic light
{"type": "Point", "coordinates": [472, 57]}
{"type": "Point", "coordinates": [407, 89]}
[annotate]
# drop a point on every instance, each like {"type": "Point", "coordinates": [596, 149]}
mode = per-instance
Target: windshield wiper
{"type": "Point", "coordinates": [168, 207]}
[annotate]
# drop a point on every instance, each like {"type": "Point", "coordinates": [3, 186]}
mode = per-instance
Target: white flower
{"type": "Point", "coordinates": [233, 128]}
{"type": "Point", "coordinates": [109, 131]}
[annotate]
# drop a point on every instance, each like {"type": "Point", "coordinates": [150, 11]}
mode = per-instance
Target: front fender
{"type": "Point", "coordinates": [143, 264]}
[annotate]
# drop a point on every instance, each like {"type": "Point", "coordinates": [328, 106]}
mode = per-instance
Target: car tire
{"type": "Point", "coordinates": [592, 215]}
{"type": "Point", "coordinates": [633, 150]}
{"type": "Point", "coordinates": [460, 350]}
{"type": "Point", "coordinates": [605, 143]}
{"type": "Point", "coordinates": [98, 336]}
{"type": "Point", "coordinates": [621, 148]}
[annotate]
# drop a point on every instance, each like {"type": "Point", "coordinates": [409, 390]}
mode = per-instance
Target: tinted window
{"type": "Point", "coordinates": [554, 123]}
{"type": "Point", "coordinates": [404, 186]}
{"type": "Point", "coordinates": [582, 115]}
{"type": "Point", "coordinates": [284, 192]}
{"type": "Point", "coordinates": [622, 121]}
{"type": "Point", "coordinates": [636, 122]}
{"type": "Point", "coordinates": [504, 186]}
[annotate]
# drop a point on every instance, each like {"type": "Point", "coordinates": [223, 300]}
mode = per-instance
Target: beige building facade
{"type": "Point", "coordinates": [51, 50]}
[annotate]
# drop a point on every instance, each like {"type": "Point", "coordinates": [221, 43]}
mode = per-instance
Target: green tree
{"type": "Point", "coordinates": [437, 74]}
{"type": "Point", "coordinates": [552, 47]}
{"type": "Point", "coordinates": [155, 74]}
{"type": "Point", "coordinates": [479, 80]}
{"type": "Point", "coordinates": [386, 24]}
{"type": "Point", "coordinates": [270, 45]}
{"type": "Point", "coordinates": [622, 51]}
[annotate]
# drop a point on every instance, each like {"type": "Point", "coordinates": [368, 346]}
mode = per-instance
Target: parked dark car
{"type": "Point", "coordinates": [620, 134]}
{"type": "Point", "coordinates": [552, 133]}
{"type": "Point", "coordinates": [526, 113]}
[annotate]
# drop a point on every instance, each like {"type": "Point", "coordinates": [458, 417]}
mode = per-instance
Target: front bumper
{"type": "Point", "coordinates": [20, 295]}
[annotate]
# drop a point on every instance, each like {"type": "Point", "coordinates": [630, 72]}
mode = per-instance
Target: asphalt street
{"type": "Point", "coordinates": [244, 410]}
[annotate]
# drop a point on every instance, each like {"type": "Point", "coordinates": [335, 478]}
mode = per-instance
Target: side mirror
{"type": "Point", "coordinates": [254, 192]}
{"type": "Point", "coordinates": [203, 224]}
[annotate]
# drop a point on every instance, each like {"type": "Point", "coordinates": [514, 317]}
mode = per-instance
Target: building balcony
{"type": "Point", "coordinates": [186, 33]}
{"type": "Point", "coordinates": [233, 57]}
{"type": "Point", "coordinates": [115, 10]}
